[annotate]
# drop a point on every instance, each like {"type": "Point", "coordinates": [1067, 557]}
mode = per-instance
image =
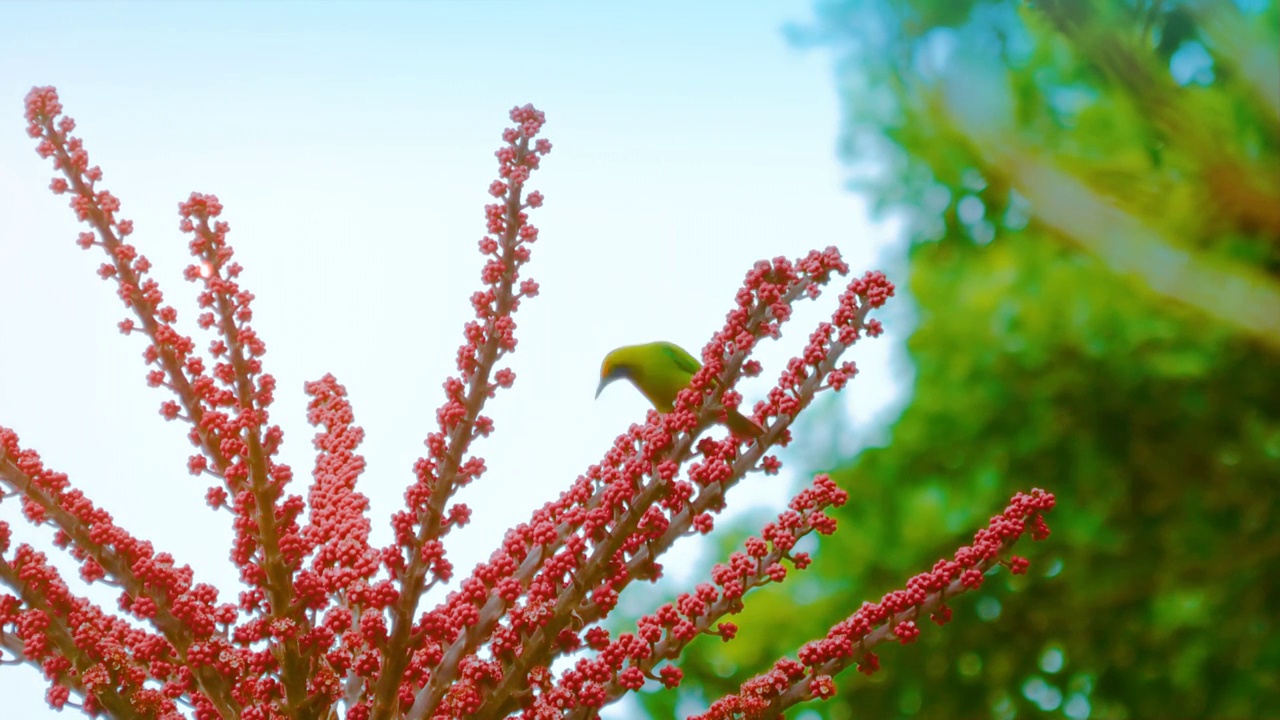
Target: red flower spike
{"type": "Point", "coordinates": [319, 620]}
{"type": "Point", "coordinates": [873, 623]}
{"type": "Point", "coordinates": [442, 472]}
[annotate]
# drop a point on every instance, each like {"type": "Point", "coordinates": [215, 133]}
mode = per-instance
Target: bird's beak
{"type": "Point", "coordinates": [603, 381]}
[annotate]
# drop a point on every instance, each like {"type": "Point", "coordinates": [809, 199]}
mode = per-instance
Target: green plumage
{"type": "Point", "coordinates": [660, 370]}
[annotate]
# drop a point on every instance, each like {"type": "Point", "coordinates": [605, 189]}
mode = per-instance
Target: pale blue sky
{"type": "Point", "coordinates": [352, 146]}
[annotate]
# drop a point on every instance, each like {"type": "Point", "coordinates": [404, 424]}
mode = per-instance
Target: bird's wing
{"type": "Point", "coordinates": [681, 358]}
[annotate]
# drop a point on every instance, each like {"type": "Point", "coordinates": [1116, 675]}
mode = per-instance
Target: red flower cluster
{"type": "Point", "coordinates": [325, 619]}
{"type": "Point", "coordinates": [850, 641]}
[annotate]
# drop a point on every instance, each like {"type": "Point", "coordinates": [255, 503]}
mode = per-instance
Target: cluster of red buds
{"type": "Point", "coordinates": [327, 621]}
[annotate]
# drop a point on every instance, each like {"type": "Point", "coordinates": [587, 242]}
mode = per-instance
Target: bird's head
{"type": "Point", "coordinates": [615, 365]}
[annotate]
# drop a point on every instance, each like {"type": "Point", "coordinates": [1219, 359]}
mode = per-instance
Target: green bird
{"type": "Point", "coordinates": [660, 370]}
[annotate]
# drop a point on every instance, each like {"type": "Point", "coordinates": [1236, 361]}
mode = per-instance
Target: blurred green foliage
{"type": "Point", "coordinates": [1091, 190]}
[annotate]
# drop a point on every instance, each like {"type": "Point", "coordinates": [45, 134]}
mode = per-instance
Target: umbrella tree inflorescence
{"type": "Point", "coordinates": [325, 622]}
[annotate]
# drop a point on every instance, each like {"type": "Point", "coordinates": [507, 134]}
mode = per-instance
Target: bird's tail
{"type": "Point", "coordinates": [741, 425]}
